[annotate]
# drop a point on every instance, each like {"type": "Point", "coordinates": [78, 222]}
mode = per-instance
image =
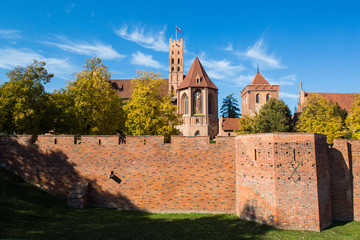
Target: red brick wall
{"type": "Point", "coordinates": [252, 175]}
{"type": "Point", "coordinates": [266, 192]}
{"type": "Point", "coordinates": [188, 175]}
{"type": "Point", "coordinates": [345, 179]}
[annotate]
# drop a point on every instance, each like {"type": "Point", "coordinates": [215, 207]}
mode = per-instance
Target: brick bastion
{"type": "Point", "coordinates": [288, 180]}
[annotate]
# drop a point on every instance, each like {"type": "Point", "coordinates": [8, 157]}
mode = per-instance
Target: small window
{"type": "Point", "coordinates": [197, 133]}
{"type": "Point", "coordinates": [172, 61]}
{"type": "Point", "coordinates": [257, 98]}
{"type": "Point", "coordinates": [172, 69]}
{"type": "Point", "coordinates": [268, 97]}
{"type": "Point", "coordinates": [178, 69]}
{"type": "Point", "coordinates": [178, 60]}
{"type": "Point", "coordinates": [178, 52]}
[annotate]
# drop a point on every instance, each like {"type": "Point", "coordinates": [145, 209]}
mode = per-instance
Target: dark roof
{"type": "Point", "coordinates": [230, 124]}
{"type": "Point", "coordinates": [197, 70]}
{"type": "Point", "coordinates": [343, 99]}
{"type": "Point", "coordinates": [259, 79]}
{"type": "Point", "coordinates": [123, 87]}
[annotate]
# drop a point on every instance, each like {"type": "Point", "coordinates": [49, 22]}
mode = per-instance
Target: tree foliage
{"type": "Point", "coordinates": [246, 125]}
{"type": "Point", "coordinates": [150, 111]}
{"type": "Point", "coordinates": [274, 116]}
{"type": "Point", "coordinates": [323, 117]}
{"type": "Point", "coordinates": [24, 107]}
{"type": "Point", "coordinates": [89, 103]}
{"type": "Point", "coordinates": [353, 119]}
{"type": "Point", "coordinates": [230, 107]}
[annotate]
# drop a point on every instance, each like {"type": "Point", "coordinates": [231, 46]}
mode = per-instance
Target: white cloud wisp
{"type": "Point", "coordinates": [96, 49]}
{"type": "Point", "coordinates": [141, 59]}
{"type": "Point", "coordinates": [12, 57]}
{"type": "Point", "coordinates": [155, 41]}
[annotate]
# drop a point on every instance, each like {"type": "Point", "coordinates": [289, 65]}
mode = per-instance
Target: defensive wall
{"type": "Point", "coordinates": [288, 180]}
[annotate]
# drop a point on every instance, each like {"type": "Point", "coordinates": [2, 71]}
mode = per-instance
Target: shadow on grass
{"type": "Point", "coordinates": [28, 212]}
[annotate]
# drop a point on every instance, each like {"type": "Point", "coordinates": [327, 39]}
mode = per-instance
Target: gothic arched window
{"type": "Point", "coordinates": [257, 98]}
{"type": "Point", "coordinates": [197, 102]}
{"type": "Point", "coordinates": [172, 61]}
{"type": "Point", "coordinates": [267, 97]}
{"type": "Point", "coordinates": [211, 104]}
{"type": "Point", "coordinates": [186, 105]}
{"type": "Point", "coordinates": [178, 60]}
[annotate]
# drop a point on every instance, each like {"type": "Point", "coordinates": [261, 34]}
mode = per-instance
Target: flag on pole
{"type": "Point", "coordinates": [177, 28]}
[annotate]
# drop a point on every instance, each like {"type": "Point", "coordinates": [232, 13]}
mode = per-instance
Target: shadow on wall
{"type": "Point", "coordinates": [249, 213]}
{"type": "Point", "coordinates": [50, 170]}
{"type": "Point", "coordinates": [342, 202]}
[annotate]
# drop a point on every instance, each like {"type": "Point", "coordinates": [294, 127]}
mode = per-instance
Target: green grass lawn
{"type": "Point", "coordinates": [27, 212]}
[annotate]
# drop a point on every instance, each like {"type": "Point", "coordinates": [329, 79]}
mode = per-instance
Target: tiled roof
{"type": "Point", "coordinates": [197, 71]}
{"type": "Point", "coordinates": [230, 124]}
{"type": "Point", "coordinates": [259, 79]}
{"type": "Point", "coordinates": [343, 99]}
{"type": "Point", "coordinates": [123, 87]}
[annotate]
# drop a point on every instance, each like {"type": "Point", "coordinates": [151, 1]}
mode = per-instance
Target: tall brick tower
{"type": "Point", "coordinates": [176, 64]}
{"type": "Point", "coordinates": [198, 103]}
{"type": "Point", "coordinates": [256, 94]}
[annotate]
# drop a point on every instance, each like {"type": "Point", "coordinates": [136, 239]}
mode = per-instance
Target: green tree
{"type": "Point", "coordinates": [230, 107]}
{"type": "Point", "coordinates": [246, 125]}
{"type": "Point", "coordinates": [63, 112]}
{"type": "Point", "coordinates": [150, 111]}
{"type": "Point", "coordinates": [91, 101]}
{"type": "Point", "coordinates": [23, 101]}
{"type": "Point", "coordinates": [353, 119]}
{"type": "Point", "coordinates": [274, 116]}
{"type": "Point", "coordinates": [321, 116]}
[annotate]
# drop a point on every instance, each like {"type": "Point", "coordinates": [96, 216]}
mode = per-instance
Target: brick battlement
{"type": "Point", "coordinates": [288, 180]}
{"type": "Point", "coordinates": [260, 87]}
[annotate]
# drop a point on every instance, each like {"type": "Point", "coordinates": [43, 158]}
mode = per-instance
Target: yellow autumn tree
{"type": "Point", "coordinates": [353, 119]}
{"type": "Point", "coordinates": [246, 124]}
{"type": "Point", "coordinates": [320, 116]}
{"type": "Point", "coordinates": [150, 111]}
{"type": "Point", "coordinates": [95, 106]}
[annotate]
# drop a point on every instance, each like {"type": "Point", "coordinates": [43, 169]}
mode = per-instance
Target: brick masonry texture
{"type": "Point", "coordinates": [288, 180]}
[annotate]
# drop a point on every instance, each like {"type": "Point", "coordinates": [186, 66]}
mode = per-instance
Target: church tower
{"type": "Point", "coordinates": [255, 95]}
{"type": "Point", "coordinates": [198, 103]}
{"type": "Point", "coordinates": [176, 64]}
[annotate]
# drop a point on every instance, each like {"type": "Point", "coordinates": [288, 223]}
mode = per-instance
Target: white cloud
{"type": "Point", "coordinates": [220, 69]}
{"type": "Point", "coordinates": [141, 59]}
{"type": "Point", "coordinates": [11, 57]}
{"type": "Point", "coordinates": [288, 95]}
{"type": "Point", "coordinates": [96, 49]}
{"type": "Point", "coordinates": [9, 34]}
{"type": "Point", "coordinates": [155, 41]}
{"type": "Point", "coordinates": [284, 81]}
{"type": "Point", "coordinates": [229, 47]}
{"type": "Point", "coordinates": [258, 54]}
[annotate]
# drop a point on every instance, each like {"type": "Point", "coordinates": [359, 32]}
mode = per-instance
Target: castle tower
{"type": "Point", "coordinates": [256, 94]}
{"type": "Point", "coordinates": [176, 64]}
{"type": "Point", "coordinates": [198, 103]}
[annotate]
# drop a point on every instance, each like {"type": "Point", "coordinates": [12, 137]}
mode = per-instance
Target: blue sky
{"type": "Point", "coordinates": [313, 42]}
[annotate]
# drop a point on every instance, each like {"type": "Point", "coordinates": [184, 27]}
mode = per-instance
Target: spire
{"type": "Point", "coordinates": [257, 69]}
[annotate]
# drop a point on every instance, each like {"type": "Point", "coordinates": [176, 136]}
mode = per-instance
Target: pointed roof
{"type": "Point", "coordinates": [259, 79]}
{"type": "Point", "coordinates": [197, 71]}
